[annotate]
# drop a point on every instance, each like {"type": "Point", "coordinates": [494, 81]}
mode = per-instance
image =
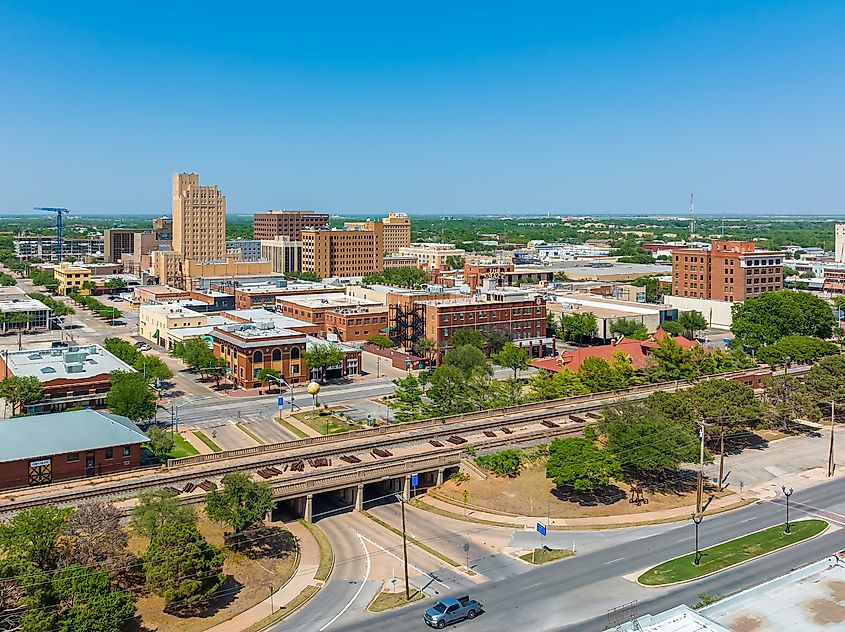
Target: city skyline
{"type": "Point", "coordinates": [612, 109]}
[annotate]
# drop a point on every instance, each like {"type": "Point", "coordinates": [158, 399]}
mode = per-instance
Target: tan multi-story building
{"type": "Point", "coordinates": [199, 219]}
{"type": "Point", "coordinates": [730, 271]}
{"type": "Point", "coordinates": [432, 256]}
{"type": "Point", "coordinates": [71, 278]}
{"type": "Point", "coordinates": [119, 241]}
{"type": "Point", "coordinates": [396, 228]}
{"type": "Point", "coordinates": [284, 254]}
{"type": "Point", "coordinates": [290, 224]}
{"type": "Point", "coordinates": [344, 253]}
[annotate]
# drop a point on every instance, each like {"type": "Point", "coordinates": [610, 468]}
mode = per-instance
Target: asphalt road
{"type": "Point", "coordinates": [577, 593]}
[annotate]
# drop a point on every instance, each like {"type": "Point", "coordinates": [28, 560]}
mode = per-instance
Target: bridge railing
{"type": "Point", "coordinates": [380, 431]}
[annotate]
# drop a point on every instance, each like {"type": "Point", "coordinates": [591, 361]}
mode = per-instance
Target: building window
{"type": "Point", "coordinates": [257, 357]}
{"type": "Point", "coordinates": [109, 453]}
{"type": "Point", "coordinates": [294, 353]}
{"type": "Point", "coordinates": [73, 457]}
{"type": "Point", "coordinates": [126, 450]}
{"type": "Point", "coordinates": [277, 354]}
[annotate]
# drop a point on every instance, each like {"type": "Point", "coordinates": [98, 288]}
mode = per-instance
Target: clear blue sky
{"type": "Point", "coordinates": [427, 107]}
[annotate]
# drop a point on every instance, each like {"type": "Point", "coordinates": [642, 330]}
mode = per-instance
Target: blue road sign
{"type": "Point", "coordinates": [281, 401]}
{"type": "Point", "coordinates": [415, 480]}
{"type": "Point", "coordinates": [541, 529]}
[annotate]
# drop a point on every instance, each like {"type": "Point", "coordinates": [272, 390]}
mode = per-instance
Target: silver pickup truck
{"type": "Point", "coordinates": [449, 610]}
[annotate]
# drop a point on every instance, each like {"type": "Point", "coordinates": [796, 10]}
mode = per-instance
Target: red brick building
{"type": "Point", "coordinates": [290, 223]}
{"type": "Point", "coordinates": [729, 271]}
{"type": "Point", "coordinates": [520, 316]}
{"type": "Point", "coordinates": [357, 323]}
{"type": "Point", "coordinates": [42, 449]}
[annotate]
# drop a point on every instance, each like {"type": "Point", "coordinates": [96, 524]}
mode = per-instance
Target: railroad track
{"type": "Point", "coordinates": [203, 467]}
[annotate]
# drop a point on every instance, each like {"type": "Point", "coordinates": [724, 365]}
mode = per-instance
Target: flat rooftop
{"type": "Point", "coordinates": [73, 363]}
{"type": "Point", "coordinates": [26, 304]}
{"type": "Point", "coordinates": [264, 316]}
{"type": "Point", "coordinates": [808, 599]}
{"type": "Point", "coordinates": [594, 303]}
{"type": "Point", "coordinates": [328, 300]}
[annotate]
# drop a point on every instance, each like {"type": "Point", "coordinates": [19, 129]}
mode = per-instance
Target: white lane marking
{"type": "Point", "coordinates": [532, 586]}
{"type": "Point", "coordinates": [618, 559]}
{"type": "Point", "coordinates": [419, 570]}
{"type": "Point", "coordinates": [360, 588]}
{"type": "Point", "coordinates": [748, 519]}
{"type": "Point", "coordinates": [685, 539]}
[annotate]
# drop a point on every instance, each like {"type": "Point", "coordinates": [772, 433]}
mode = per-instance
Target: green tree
{"type": "Point", "coordinates": [75, 598]}
{"type": "Point", "coordinates": [496, 340]}
{"type": "Point", "coordinates": [825, 383]}
{"type": "Point", "coordinates": [629, 328]}
{"type": "Point", "coordinates": [182, 567]}
{"type": "Point", "coordinates": [578, 325]}
{"type": "Point", "coordinates": [122, 349]}
{"type": "Point", "coordinates": [32, 535]}
{"type": "Point", "coordinates": [321, 356]}
{"type": "Point", "coordinates": [303, 276]}
{"type": "Point", "coordinates": [671, 362]}
{"type": "Point", "coordinates": [152, 367]}
{"type": "Point", "coordinates": [7, 279]}
{"type": "Point", "coordinates": [765, 319]}
{"type": "Point", "coordinates": [381, 341]}
{"type": "Point", "coordinates": [796, 348]}
{"type": "Point", "coordinates": [241, 503]}
{"type": "Point", "coordinates": [692, 321]}
{"type": "Point", "coordinates": [269, 376]}
{"type": "Point", "coordinates": [786, 399]}
{"type": "Point", "coordinates": [409, 277]}
{"type": "Point", "coordinates": [599, 375]}
{"type": "Point", "coordinates": [159, 507]}
{"type": "Point", "coordinates": [672, 327]}
{"type": "Point", "coordinates": [577, 463]}
{"type": "Point", "coordinates": [424, 348]}
{"type": "Point", "coordinates": [161, 443]}
{"type": "Point", "coordinates": [464, 336]}
{"type": "Point", "coordinates": [545, 385]}
{"type": "Point", "coordinates": [447, 391]}
{"type": "Point", "coordinates": [115, 283]}
{"type": "Point", "coordinates": [512, 357]}
{"type": "Point", "coordinates": [130, 396]}
{"type": "Point", "coordinates": [728, 405]}
{"type": "Point", "coordinates": [466, 358]}
{"type": "Point", "coordinates": [194, 352]}
{"type": "Point", "coordinates": [455, 262]}
{"type": "Point", "coordinates": [648, 445]}
{"type": "Point", "coordinates": [407, 399]}
{"type": "Point", "coordinates": [504, 463]}
{"type": "Point", "coordinates": [21, 391]}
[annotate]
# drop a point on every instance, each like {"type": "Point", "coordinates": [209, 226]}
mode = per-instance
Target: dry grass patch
{"type": "Point", "coordinates": [531, 493]}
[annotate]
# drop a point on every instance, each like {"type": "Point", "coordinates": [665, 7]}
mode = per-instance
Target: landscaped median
{"type": "Point", "coordinates": [721, 556]}
{"type": "Point", "coordinates": [542, 555]}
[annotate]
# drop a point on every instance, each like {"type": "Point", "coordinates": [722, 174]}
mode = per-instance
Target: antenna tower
{"type": "Point", "coordinates": [691, 215]}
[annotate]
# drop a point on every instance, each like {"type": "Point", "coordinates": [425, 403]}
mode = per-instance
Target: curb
{"type": "Point", "coordinates": [751, 559]}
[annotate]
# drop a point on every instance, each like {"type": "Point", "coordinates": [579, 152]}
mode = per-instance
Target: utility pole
{"type": "Point", "coordinates": [830, 466]}
{"type": "Point", "coordinates": [721, 459]}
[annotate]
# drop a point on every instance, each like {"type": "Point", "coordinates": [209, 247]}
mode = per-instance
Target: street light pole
{"type": "Point", "coordinates": [787, 493]}
{"type": "Point", "coordinates": [697, 518]}
{"type": "Point", "coordinates": [830, 455]}
{"type": "Point", "coordinates": [405, 548]}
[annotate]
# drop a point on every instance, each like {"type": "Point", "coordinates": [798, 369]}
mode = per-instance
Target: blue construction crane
{"type": "Point", "coordinates": [59, 212]}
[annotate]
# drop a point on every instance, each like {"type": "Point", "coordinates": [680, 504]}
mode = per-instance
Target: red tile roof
{"type": "Point", "coordinates": [637, 350]}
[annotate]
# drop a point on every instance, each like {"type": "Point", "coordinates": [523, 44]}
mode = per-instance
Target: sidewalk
{"type": "Point", "coordinates": [195, 442]}
{"type": "Point", "coordinates": [309, 561]}
{"type": "Point", "coordinates": [305, 428]}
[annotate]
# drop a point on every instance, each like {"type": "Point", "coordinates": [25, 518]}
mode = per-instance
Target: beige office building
{"type": "Point", "coordinates": [396, 228]}
{"type": "Point", "coordinates": [283, 254]}
{"type": "Point", "coordinates": [199, 219]}
{"type": "Point", "coordinates": [343, 253]}
{"type": "Point", "coordinates": [432, 256]}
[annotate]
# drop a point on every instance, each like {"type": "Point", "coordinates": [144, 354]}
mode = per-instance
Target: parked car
{"type": "Point", "coordinates": [58, 344]}
{"type": "Point", "coordinates": [142, 346]}
{"type": "Point", "coordinates": [449, 610]}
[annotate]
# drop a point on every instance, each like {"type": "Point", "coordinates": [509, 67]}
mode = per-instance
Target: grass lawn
{"type": "Point", "coordinates": [181, 447]}
{"type": "Point", "coordinates": [318, 422]}
{"type": "Point", "coordinates": [543, 555]}
{"type": "Point", "coordinates": [207, 441]}
{"type": "Point", "coordinates": [731, 552]}
{"type": "Point", "coordinates": [387, 600]}
{"type": "Point", "coordinates": [326, 552]}
{"type": "Point", "coordinates": [291, 428]}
